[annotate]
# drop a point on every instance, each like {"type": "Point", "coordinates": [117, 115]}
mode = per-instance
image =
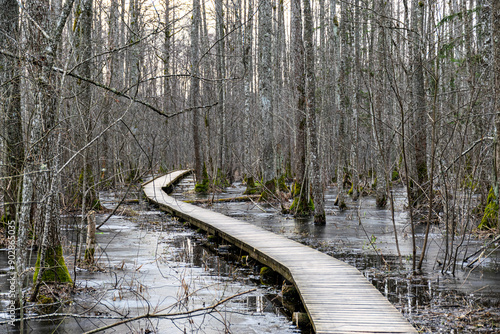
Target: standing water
{"type": "Point", "coordinates": [363, 236]}
{"type": "Point", "coordinates": [150, 263]}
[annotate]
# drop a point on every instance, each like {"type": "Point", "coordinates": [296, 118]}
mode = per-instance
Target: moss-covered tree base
{"type": "Point", "coordinates": [268, 191]}
{"type": "Point", "coordinates": [89, 256]}
{"type": "Point", "coordinates": [301, 205]}
{"type": "Point", "coordinates": [340, 203]}
{"type": "Point", "coordinates": [490, 217]}
{"type": "Point", "coordinates": [204, 185]}
{"type": "Point", "coordinates": [252, 188]}
{"type": "Point", "coordinates": [55, 267]}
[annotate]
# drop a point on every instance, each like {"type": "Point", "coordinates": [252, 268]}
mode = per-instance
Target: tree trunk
{"type": "Point", "coordinates": [90, 244]}
{"type": "Point", "coordinates": [221, 86]}
{"type": "Point", "coordinates": [418, 104]}
{"type": "Point", "coordinates": [266, 96]}
{"type": "Point", "coordinates": [495, 28]}
{"type": "Point", "coordinates": [248, 80]}
{"type": "Point", "coordinates": [195, 89]}
{"type": "Point", "coordinates": [300, 205]}
{"type": "Point", "coordinates": [50, 266]}
{"type": "Point", "coordinates": [314, 157]}
{"type": "Point", "coordinates": [10, 110]}
{"type": "Point", "coordinates": [379, 105]}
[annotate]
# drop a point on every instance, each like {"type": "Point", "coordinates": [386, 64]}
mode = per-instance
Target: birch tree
{"type": "Point", "coordinates": [42, 162]}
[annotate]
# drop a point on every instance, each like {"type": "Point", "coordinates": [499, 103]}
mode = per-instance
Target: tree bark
{"type": "Point", "coordinates": [195, 89]}
{"type": "Point", "coordinates": [418, 106]}
{"type": "Point", "coordinates": [266, 96]}
{"type": "Point", "coordinates": [221, 86]}
{"type": "Point", "coordinates": [495, 28]}
{"type": "Point", "coordinates": [248, 88]}
{"type": "Point", "coordinates": [45, 140]}
{"type": "Point", "coordinates": [314, 154]}
{"type": "Point", "coordinates": [10, 110]}
{"type": "Point", "coordinates": [300, 205]}
{"type": "Point", "coordinates": [379, 105]}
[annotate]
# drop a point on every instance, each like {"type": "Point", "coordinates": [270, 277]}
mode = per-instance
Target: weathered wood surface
{"type": "Point", "coordinates": [337, 297]}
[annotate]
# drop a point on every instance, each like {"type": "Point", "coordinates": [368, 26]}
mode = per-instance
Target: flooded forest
{"type": "Point", "coordinates": [368, 130]}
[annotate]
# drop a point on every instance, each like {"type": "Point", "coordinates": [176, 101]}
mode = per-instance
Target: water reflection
{"type": "Point", "coordinates": [360, 234]}
{"type": "Point", "coordinates": [152, 269]}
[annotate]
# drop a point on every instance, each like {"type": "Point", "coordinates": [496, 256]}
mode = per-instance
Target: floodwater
{"type": "Point", "coordinates": [364, 237]}
{"type": "Point", "coordinates": [152, 263]}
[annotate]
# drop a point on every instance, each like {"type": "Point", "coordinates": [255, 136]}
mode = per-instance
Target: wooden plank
{"type": "Point", "coordinates": [337, 297]}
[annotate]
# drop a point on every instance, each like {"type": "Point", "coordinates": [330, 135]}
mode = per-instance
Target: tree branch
{"type": "Point", "coordinates": [170, 315]}
{"type": "Point", "coordinates": [117, 92]}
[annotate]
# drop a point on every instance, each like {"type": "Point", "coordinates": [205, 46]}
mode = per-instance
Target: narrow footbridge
{"type": "Point", "coordinates": [337, 297]}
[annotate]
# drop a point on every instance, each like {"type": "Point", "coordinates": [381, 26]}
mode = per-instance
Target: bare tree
{"type": "Point", "coordinates": [10, 109]}
{"type": "Point", "coordinates": [300, 205]}
{"type": "Point", "coordinates": [43, 159]}
{"type": "Point", "coordinates": [195, 88]}
{"type": "Point", "coordinates": [495, 29]}
{"type": "Point", "coordinates": [314, 154]}
{"type": "Point", "coordinates": [418, 105]}
{"type": "Point", "coordinates": [266, 95]}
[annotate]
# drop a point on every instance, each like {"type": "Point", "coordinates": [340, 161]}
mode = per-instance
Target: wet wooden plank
{"type": "Point", "coordinates": [337, 297]}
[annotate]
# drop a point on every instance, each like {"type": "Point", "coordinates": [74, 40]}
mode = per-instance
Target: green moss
{"type": "Point", "coordinates": [267, 274]}
{"type": "Point", "coordinates": [89, 255]}
{"type": "Point", "coordinates": [490, 217]}
{"type": "Point", "coordinates": [252, 187]}
{"type": "Point", "coordinates": [301, 205]}
{"type": "Point", "coordinates": [395, 175]}
{"type": "Point", "coordinates": [351, 190]}
{"type": "Point", "coordinates": [282, 184]}
{"type": "Point", "coordinates": [268, 191]}
{"type": "Point", "coordinates": [204, 185]}
{"type": "Point", "coordinates": [221, 180]}
{"type": "Point", "coordinates": [55, 267]}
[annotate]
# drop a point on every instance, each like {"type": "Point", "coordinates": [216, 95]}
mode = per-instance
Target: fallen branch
{"type": "Point", "coordinates": [170, 315]}
{"type": "Point", "coordinates": [481, 251]}
{"type": "Point", "coordinates": [247, 198]}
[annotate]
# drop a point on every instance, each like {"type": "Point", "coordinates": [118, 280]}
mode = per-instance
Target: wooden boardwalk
{"type": "Point", "coordinates": [337, 297]}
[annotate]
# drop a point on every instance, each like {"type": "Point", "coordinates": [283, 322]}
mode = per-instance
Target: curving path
{"type": "Point", "coordinates": [337, 297]}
